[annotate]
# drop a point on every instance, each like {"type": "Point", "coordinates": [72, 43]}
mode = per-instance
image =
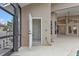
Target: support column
{"type": "Point", "coordinates": [54, 26]}
{"type": "Point", "coordinates": [66, 25]}
{"type": "Point", "coordinates": [15, 28]}
{"type": "Point", "coordinates": [78, 27]}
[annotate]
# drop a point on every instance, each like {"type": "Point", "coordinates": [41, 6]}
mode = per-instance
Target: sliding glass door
{"type": "Point", "coordinates": [10, 37]}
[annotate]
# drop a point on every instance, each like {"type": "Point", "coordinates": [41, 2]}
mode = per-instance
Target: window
{"type": "Point", "coordinates": [9, 28]}
{"type": "Point", "coordinates": [6, 31]}
{"type": "Point", "coordinates": [51, 26]}
{"type": "Point", "coordinates": [75, 29]}
{"type": "Point", "coordinates": [70, 29]}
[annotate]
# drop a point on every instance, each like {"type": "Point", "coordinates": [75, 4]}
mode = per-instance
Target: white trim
{"type": "Point", "coordinates": [36, 17]}
{"type": "Point", "coordinates": [41, 25]}
{"type": "Point", "coordinates": [30, 30]}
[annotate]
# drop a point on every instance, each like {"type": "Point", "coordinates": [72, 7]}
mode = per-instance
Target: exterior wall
{"type": "Point", "coordinates": [59, 6]}
{"type": "Point", "coordinates": [37, 10]}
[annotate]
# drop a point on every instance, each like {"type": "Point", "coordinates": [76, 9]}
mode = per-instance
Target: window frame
{"type": "Point", "coordinates": [15, 27]}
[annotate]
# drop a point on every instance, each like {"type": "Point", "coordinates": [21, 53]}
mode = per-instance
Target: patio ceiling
{"type": "Point", "coordinates": [24, 4]}
{"type": "Point", "coordinates": [7, 4]}
{"type": "Point", "coordinates": [8, 7]}
{"type": "Point", "coordinates": [64, 12]}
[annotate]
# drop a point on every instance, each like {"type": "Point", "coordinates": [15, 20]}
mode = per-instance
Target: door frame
{"type": "Point", "coordinates": [41, 26]}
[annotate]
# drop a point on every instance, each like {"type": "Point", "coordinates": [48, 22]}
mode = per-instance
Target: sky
{"type": "Point", "coordinates": [4, 17]}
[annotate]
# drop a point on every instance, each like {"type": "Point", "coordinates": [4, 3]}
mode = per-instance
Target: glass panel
{"type": "Point", "coordinates": [51, 26]}
{"type": "Point", "coordinates": [61, 20]}
{"type": "Point", "coordinates": [6, 31]}
{"type": "Point", "coordinates": [57, 29]}
{"type": "Point", "coordinates": [69, 20]}
{"type": "Point", "coordinates": [70, 29]}
{"type": "Point", "coordinates": [8, 7]}
{"type": "Point", "coordinates": [74, 29]}
{"type": "Point", "coordinates": [73, 19]}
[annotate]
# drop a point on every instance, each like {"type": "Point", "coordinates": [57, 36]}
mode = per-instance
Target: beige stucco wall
{"type": "Point", "coordinates": [37, 10]}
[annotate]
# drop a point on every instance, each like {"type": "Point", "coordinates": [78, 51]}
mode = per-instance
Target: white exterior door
{"type": "Point", "coordinates": [30, 30]}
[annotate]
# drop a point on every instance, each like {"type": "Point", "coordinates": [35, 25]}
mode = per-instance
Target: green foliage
{"type": "Point", "coordinates": [8, 26]}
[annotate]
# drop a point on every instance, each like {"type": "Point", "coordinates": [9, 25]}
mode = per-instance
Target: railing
{"type": "Point", "coordinates": [6, 42]}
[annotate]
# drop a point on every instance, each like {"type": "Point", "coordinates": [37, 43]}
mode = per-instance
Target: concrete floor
{"type": "Point", "coordinates": [62, 46]}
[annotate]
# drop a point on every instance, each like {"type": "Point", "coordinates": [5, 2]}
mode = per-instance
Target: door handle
{"type": "Point", "coordinates": [29, 33]}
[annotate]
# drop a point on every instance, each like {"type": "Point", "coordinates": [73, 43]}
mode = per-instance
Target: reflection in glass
{"type": "Point", "coordinates": [74, 29]}
{"type": "Point", "coordinates": [61, 20]}
{"type": "Point", "coordinates": [70, 30]}
{"type": "Point", "coordinates": [6, 23]}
